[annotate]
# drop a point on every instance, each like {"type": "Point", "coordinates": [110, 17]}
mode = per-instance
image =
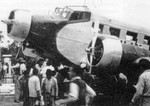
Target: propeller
{"type": "Point", "coordinates": [94, 38]}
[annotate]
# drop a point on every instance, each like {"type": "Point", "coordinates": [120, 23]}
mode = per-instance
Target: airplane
{"type": "Point", "coordinates": [67, 37]}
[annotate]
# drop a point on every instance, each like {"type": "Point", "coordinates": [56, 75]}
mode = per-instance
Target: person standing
{"type": "Point", "coordinates": [16, 74]}
{"type": "Point", "coordinates": [22, 66]}
{"type": "Point", "coordinates": [34, 88]}
{"type": "Point", "coordinates": [45, 68]}
{"type": "Point", "coordinates": [86, 76]}
{"type": "Point", "coordinates": [142, 95]}
{"type": "Point", "coordinates": [39, 67]}
{"type": "Point", "coordinates": [78, 89]}
{"type": "Point", "coordinates": [49, 88]}
{"type": "Point", "coordinates": [24, 90]}
{"type": "Point", "coordinates": [45, 62]}
{"type": "Point", "coordinates": [4, 69]}
{"type": "Point", "coordinates": [61, 75]}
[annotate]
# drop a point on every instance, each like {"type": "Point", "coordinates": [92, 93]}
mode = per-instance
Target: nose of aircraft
{"type": "Point", "coordinates": [18, 24]}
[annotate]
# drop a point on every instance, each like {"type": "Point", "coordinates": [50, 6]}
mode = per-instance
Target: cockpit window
{"type": "Point", "coordinates": [80, 16]}
{"type": "Point", "coordinates": [65, 13]}
{"type": "Point", "coordinates": [74, 16]}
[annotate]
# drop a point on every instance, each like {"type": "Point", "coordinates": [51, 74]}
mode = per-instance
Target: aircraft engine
{"type": "Point", "coordinates": [37, 33]}
{"type": "Point", "coordinates": [107, 52]}
{"type": "Point", "coordinates": [17, 26]}
{"type": "Point", "coordinates": [110, 53]}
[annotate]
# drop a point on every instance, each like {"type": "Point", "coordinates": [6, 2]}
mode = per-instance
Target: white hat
{"type": "Point", "coordinates": [23, 67]}
{"type": "Point", "coordinates": [51, 68]}
{"type": "Point", "coordinates": [60, 67]}
{"type": "Point", "coordinates": [83, 65]}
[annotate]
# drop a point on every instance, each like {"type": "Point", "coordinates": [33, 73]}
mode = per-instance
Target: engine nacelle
{"type": "Point", "coordinates": [19, 22]}
{"type": "Point", "coordinates": [110, 54]}
{"type": "Point", "coordinates": [107, 52]}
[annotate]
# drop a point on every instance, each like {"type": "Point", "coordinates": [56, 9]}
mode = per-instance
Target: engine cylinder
{"type": "Point", "coordinates": [110, 54]}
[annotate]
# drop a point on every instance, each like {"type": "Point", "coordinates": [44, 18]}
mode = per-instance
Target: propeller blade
{"type": "Point", "coordinates": [96, 29]}
{"type": "Point", "coordinates": [8, 21]}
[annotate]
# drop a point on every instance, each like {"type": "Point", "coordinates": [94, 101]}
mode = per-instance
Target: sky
{"type": "Point", "coordinates": [133, 12]}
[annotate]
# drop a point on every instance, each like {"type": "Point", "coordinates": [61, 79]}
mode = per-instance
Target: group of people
{"type": "Point", "coordinates": [39, 85]}
{"type": "Point", "coordinates": [138, 94]}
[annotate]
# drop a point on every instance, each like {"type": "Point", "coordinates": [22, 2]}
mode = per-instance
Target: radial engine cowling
{"type": "Point", "coordinates": [18, 24]}
{"type": "Point", "coordinates": [107, 52]}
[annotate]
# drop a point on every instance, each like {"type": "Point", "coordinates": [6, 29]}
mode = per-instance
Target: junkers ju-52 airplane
{"type": "Point", "coordinates": [67, 36]}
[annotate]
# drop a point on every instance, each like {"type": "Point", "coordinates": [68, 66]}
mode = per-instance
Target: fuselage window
{"type": "Point", "coordinates": [133, 35]}
{"type": "Point", "coordinates": [80, 17]}
{"type": "Point", "coordinates": [86, 15]}
{"type": "Point", "coordinates": [147, 40]}
{"type": "Point", "coordinates": [114, 31]}
{"type": "Point", "coordinates": [74, 16]}
{"type": "Point", "coordinates": [101, 26]}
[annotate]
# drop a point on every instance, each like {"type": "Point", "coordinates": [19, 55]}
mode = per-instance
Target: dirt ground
{"type": "Point", "coordinates": [8, 101]}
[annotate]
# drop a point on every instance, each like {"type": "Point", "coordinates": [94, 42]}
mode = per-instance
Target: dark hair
{"type": "Point", "coordinates": [41, 60]}
{"type": "Point", "coordinates": [26, 73]}
{"type": "Point", "coordinates": [48, 73]}
{"type": "Point", "coordinates": [49, 62]}
{"type": "Point", "coordinates": [76, 69]}
{"type": "Point", "coordinates": [145, 63]}
{"type": "Point", "coordinates": [35, 71]}
{"type": "Point", "coordinates": [64, 72]}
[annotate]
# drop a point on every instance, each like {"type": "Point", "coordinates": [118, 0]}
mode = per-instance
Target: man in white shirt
{"type": "Point", "coordinates": [43, 71]}
{"type": "Point", "coordinates": [34, 88]}
{"type": "Point", "coordinates": [142, 94]}
{"type": "Point", "coordinates": [45, 68]}
{"type": "Point", "coordinates": [45, 62]}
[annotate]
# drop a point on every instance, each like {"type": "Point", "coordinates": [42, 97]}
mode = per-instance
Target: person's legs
{"type": "Point", "coordinates": [46, 99]}
{"type": "Point", "coordinates": [32, 101]}
{"type": "Point", "coordinates": [26, 101]}
{"type": "Point", "coordinates": [16, 95]}
{"type": "Point", "coordinates": [52, 101]}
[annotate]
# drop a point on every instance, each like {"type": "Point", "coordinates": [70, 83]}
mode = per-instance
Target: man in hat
{"type": "Point", "coordinates": [86, 76]}
{"type": "Point", "coordinates": [142, 95]}
{"type": "Point", "coordinates": [22, 65]}
{"type": "Point", "coordinates": [78, 89]}
{"type": "Point", "coordinates": [18, 68]}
